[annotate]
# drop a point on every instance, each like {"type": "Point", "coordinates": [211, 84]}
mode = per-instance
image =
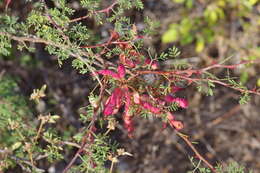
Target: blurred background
{"type": "Point", "coordinates": [205, 31]}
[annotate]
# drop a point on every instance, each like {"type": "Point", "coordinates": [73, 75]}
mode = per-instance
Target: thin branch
{"type": "Point", "coordinates": [83, 145]}
{"type": "Point", "coordinates": [2, 74]}
{"type": "Point", "coordinates": [186, 74]}
{"type": "Point", "coordinates": [221, 118]}
{"type": "Point", "coordinates": [106, 44]}
{"type": "Point", "coordinates": [47, 42]}
{"type": "Point", "coordinates": [65, 47]}
{"type": "Point", "coordinates": [53, 22]}
{"type": "Point", "coordinates": [185, 138]}
{"type": "Point", "coordinates": [105, 10]}
{"type": "Point", "coordinates": [233, 66]}
{"type": "Point", "coordinates": [199, 71]}
{"type": "Point", "coordinates": [111, 167]}
{"type": "Point", "coordinates": [19, 161]}
{"type": "Point", "coordinates": [220, 83]}
{"type": "Point", "coordinates": [73, 160]}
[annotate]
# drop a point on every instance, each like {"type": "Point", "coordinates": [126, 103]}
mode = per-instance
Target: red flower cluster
{"type": "Point", "coordinates": [118, 98]}
{"type": "Point", "coordinates": [123, 96]}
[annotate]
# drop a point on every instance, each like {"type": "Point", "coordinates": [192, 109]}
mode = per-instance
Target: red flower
{"type": "Point", "coordinates": [175, 89]}
{"type": "Point", "coordinates": [150, 107]}
{"type": "Point", "coordinates": [127, 117]}
{"type": "Point", "coordinates": [119, 75]}
{"type": "Point", "coordinates": [177, 125]}
{"type": "Point", "coordinates": [183, 103]}
{"type": "Point", "coordinates": [114, 102]}
{"type": "Point", "coordinates": [7, 2]}
{"type": "Point", "coordinates": [121, 71]}
{"type": "Point", "coordinates": [109, 73]}
{"type": "Point", "coordinates": [136, 98]}
{"type": "Point", "coordinates": [147, 61]}
{"type": "Point", "coordinates": [90, 135]}
{"type": "Point", "coordinates": [154, 64]}
{"type": "Point", "coordinates": [130, 63]}
{"type": "Point", "coordinates": [127, 61]}
{"type": "Point", "coordinates": [173, 123]}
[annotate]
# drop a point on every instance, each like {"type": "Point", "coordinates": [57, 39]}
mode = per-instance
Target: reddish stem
{"type": "Point", "coordinates": [105, 10]}
{"type": "Point", "coordinates": [106, 44]}
{"type": "Point", "coordinates": [186, 74]}
{"type": "Point", "coordinates": [188, 142]}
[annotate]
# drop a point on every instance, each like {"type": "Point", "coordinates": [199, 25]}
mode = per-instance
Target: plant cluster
{"type": "Point", "coordinates": [130, 81]}
{"type": "Point", "coordinates": [205, 26]}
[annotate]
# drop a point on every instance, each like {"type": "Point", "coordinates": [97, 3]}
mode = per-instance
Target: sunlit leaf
{"type": "Point", "coordinates": [170, 36]}
{"type": "Point", "coordinates": [200, 44]}
{"type": "Point", "coordinates": [258, 82]}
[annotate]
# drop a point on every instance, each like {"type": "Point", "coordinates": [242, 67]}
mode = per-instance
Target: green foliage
{"type": "Point", "coordinates": [89, 109]}
{"type": "Point", "coordinates": [204, 28]}
{"type": "Point", "coordinates": [99, 151]}
{"type": "Point", "coordinates": [90, 4]}
{"type": "Point", "coordinates": [165, 89]}
{"type": "Point", "coordinates": [171, 35]}
{"type": "Point", "coordinates": [151, 26]}
{"type": "Point", "coordinates": [138, 4]}
{"type": "Point", "coordinates": [80, 34]}
{"type": "Point", "coordinates": [206, 87]}
{"type": "Point", "coordinates": [244, 77]}
{"type": "Point", "coordinates": [172, 107]}
{"type": "Point", "coordinates": [171, 53]}
{"type": "Point", "coordinates": [232, 167]}
{"type": "Point", "coordinates": [24, 138]}
{"type": "Point", "coordinates": [8, 23]}
{"type": "Point", "coordinates": [14, 112]}
{"type": "Point", "coordinates": [20, 135]}
{"type": "Point", "coordinates": [80, 66]}
{"type": "Point", "coordinates": [5, 45]}
{"type": "Point", "coordinates": [245, 98]}
{"type": "Point", "coordinates": [36, 20]}
{"type": "Point", "coordinates": [52, 149]}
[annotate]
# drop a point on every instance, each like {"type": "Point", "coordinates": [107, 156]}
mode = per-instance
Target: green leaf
{"type": "Point", "coordinates": [245, 98]}
{"type": "Point", "coordinates": [213, 17]}
{"type": "Point", "coordinates": [200, 44]}
{"type": "Point", "coordinates": [16, 145]}
{"type": "Point", "coordinates": [258, 82]}
{"type": "Point", "coordinates": [185, 26]}
{"type": "Point", "coordinates": [170, 36]}
{"type": "Point", "coordinates": [189, 4]}
{"type": "Point", "coordinates": [244, 77]}
{"type": "Point", "coordinates": [178, 1]}
{"type": "Point", "coordinates": [252, 2]}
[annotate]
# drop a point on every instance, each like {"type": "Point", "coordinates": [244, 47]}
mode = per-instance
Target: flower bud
{"type": "Point", "coordinates": [109, 73]}
{"type": "Point", "coordinates": [121, 71]}
{"type": "Point", "coordinates": [155, 65]}
{"type": "Point", "coordinates": [136, 98]}
{"type": "Point", "coordinates": [183, 103]}
{"type": "Point", "coordinates": [177, 125]}
{"type": "Point", "coordinates": [175, 89]}
{"type": "Point", "coordinates": [150, 107]}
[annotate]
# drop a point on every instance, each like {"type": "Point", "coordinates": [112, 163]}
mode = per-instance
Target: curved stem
{"type": "Point", "coordinates": [188, 142]}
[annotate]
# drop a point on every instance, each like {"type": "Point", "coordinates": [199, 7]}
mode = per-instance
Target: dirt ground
{"type": "Point", "coordinates": [224, 130]}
